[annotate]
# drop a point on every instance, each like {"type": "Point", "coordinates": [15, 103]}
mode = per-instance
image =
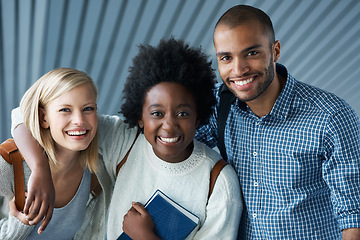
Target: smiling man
{"type": "Point", "coordinates": [295, 148]}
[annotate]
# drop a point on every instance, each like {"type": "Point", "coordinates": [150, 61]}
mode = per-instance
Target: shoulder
{"type": "Point", "coordinates": [217, 91]}
{"type": "Point", "coordinates": [109, 120]}
{"type": "Point", "coordinates": [212, 157]}
{"type": "Point", "coordinates": [206, 152]}
{"type": "Point", "coordinates": [319, 99]}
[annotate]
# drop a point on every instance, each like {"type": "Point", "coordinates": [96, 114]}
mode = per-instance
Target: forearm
{"type": "Point", "coordinates": [41, 192]}
{"type": "Point", "coordinates": [33, 153]}
{"type": "Point", "coordinates": [351, 234]}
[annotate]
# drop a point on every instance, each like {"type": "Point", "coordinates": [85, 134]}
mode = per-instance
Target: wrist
{"type": "Point", "coordinates": [152, 236]}
{"type": "Point", "coordinates": [41, 168]}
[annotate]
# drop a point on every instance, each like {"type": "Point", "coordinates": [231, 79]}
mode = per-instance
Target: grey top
{"type": "Point", "coordinates": [73, 212]}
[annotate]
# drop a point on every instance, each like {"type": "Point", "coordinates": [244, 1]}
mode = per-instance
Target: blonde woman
{"type": "Point", "coordinates": [60, 111]}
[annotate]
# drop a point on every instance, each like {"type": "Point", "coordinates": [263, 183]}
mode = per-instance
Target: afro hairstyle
{"type": "Point", "coordinates": [171, 61]}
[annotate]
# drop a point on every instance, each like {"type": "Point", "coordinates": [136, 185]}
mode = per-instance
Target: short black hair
{"type": "Point", "coordinates": [171, 61]}
{"type": "Point", "coordinates": [240, 14]}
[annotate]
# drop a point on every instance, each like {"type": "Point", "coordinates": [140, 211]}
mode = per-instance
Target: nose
{"type": "Point", "coordinates": [169, 123]}
{"type": "Point", "coordinates": [240, 66]}
{"type": "Point", "coordinates": [78, 118]}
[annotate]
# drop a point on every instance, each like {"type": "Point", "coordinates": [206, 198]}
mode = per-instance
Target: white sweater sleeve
{"type": "Point", "coordinates": [16, 119]}
{"type": "Point", "coordinates": [115, 139]}
{"type": "Point", "coordinates": [224, 208]}
{"type": "Point", "coordinates": [12, 228]}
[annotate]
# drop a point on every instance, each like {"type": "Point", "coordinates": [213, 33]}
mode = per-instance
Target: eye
{"type": "Point", "coordinates": [225, 58]}
{"type": "Point", "coordinates": [252, 53]}
{"type": "Point", "coordinates": [87, 109]}
{"type": "Point", "coordinates": [156, 114]}
{"type": "Point", "coordinates": [183, 114]}
{"type": "Point", "coordinates": [64, 110]}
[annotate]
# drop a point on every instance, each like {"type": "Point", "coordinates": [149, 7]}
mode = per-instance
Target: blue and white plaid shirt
{"type": "Point", "coordinates": [299, 166]}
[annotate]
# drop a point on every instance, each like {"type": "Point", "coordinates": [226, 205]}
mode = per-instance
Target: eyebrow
{"type": "Point", "coordinates": [218, 54]}
{"type": "Point", "coordinates": [178, 106]}
{"type": "Point", "coordinates": [154, 105]}
{"type": "Point", "coordinates": [71, 105]}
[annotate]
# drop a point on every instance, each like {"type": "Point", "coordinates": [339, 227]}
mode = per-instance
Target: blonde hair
{"type": "Point", "coordinates": [50, 86]}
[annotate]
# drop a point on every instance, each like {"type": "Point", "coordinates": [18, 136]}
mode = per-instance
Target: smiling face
{"type": "Point", "coordinates": [246, 61]}
{"type": "Point", "coordinates": [72, 119]}
{"type": "Point", "coordinates": [169, 121]}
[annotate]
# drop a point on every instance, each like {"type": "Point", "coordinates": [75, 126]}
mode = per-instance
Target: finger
{"type": "Point", "coordinates": [46, 220]}
{"type": "Point", "coordinates": [43, 209]}
{"type": "Point", "coordinates": [139, 208]}
{"type": "Point", "coordinates": [34, 211]}
{"type": "Point", "coordinates": [41, 213]}
{"type": "Point", "coordinates": [28, 201]}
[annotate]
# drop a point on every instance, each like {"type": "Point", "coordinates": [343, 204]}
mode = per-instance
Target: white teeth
{"type": "Point", "coordinates": [76, 133]}
{"type": "Point", "coordinates": [241, 83]}
{"type": "Point", "coordinates": [170, 140]}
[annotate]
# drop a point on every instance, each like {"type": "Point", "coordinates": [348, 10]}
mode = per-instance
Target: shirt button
{"type": "Point", "coordinates": [256, 184]}
{"type": "Point", "coordinates": [254, 215]}
{"type": "Point", "coordinates": [254, 154]}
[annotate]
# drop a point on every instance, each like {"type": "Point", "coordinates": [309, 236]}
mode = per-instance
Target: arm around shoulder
{"type": "Point", "coordinates": [40, 185]}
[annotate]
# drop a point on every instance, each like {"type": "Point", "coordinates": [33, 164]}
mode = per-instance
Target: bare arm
{"type": "Point", "coordinates": [41, 193]}
{"type": "Point", "coordinates": [351, 234]}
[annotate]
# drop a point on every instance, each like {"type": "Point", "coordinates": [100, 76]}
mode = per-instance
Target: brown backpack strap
{"type": "Point", "coordinates": [215, 173]}
{"type": "Point", "coordinates": [127, 154]}
{"type": "Point", "coordinates": [12, 155]}
{"type": "Point", "coordinates": [95, 187]}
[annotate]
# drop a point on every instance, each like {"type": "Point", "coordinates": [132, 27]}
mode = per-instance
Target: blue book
{"type": "Point", "coordinates": [171, 221]}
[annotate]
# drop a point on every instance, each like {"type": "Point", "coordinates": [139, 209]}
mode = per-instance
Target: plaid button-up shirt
{"type": "Point", "coordinates": [298, 166]}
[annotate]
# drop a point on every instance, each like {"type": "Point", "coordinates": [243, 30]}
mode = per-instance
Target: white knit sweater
{"type": "Point", "coordinates": [186, 182]}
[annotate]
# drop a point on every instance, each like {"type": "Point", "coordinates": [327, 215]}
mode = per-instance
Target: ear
{"type": "Point", "coordinates": [141, 123]}
{"type": "Point", "coordinates": [42, 118]}
{"type": "Point", "coordinates": [276, 50]}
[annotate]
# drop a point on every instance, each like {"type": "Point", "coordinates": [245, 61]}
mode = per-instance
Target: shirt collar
{"type": "Point", "coordinates": [282, 105]}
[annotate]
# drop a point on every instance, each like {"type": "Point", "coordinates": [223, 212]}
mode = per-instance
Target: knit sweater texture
{"type": "Point", "coordinates": [186, 182]}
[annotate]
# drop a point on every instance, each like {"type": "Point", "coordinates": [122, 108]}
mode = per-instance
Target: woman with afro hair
{"type": "Point", "coordinates": [168, 94]}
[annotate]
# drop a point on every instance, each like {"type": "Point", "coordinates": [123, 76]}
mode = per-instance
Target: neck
{"type": "Point", "coordinates": [263, 104]}
{"type": "Point", "coordinates": [68, 162]}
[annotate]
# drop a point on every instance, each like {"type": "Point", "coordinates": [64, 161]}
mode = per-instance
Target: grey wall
{"type": "Point", "coordinates": [320, 41]}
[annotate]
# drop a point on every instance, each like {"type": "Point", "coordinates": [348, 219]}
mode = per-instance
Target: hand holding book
{"type": "Point", "coordinates": [138, 223]}
{"type": "Point", "coordinates": [171, 221]}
